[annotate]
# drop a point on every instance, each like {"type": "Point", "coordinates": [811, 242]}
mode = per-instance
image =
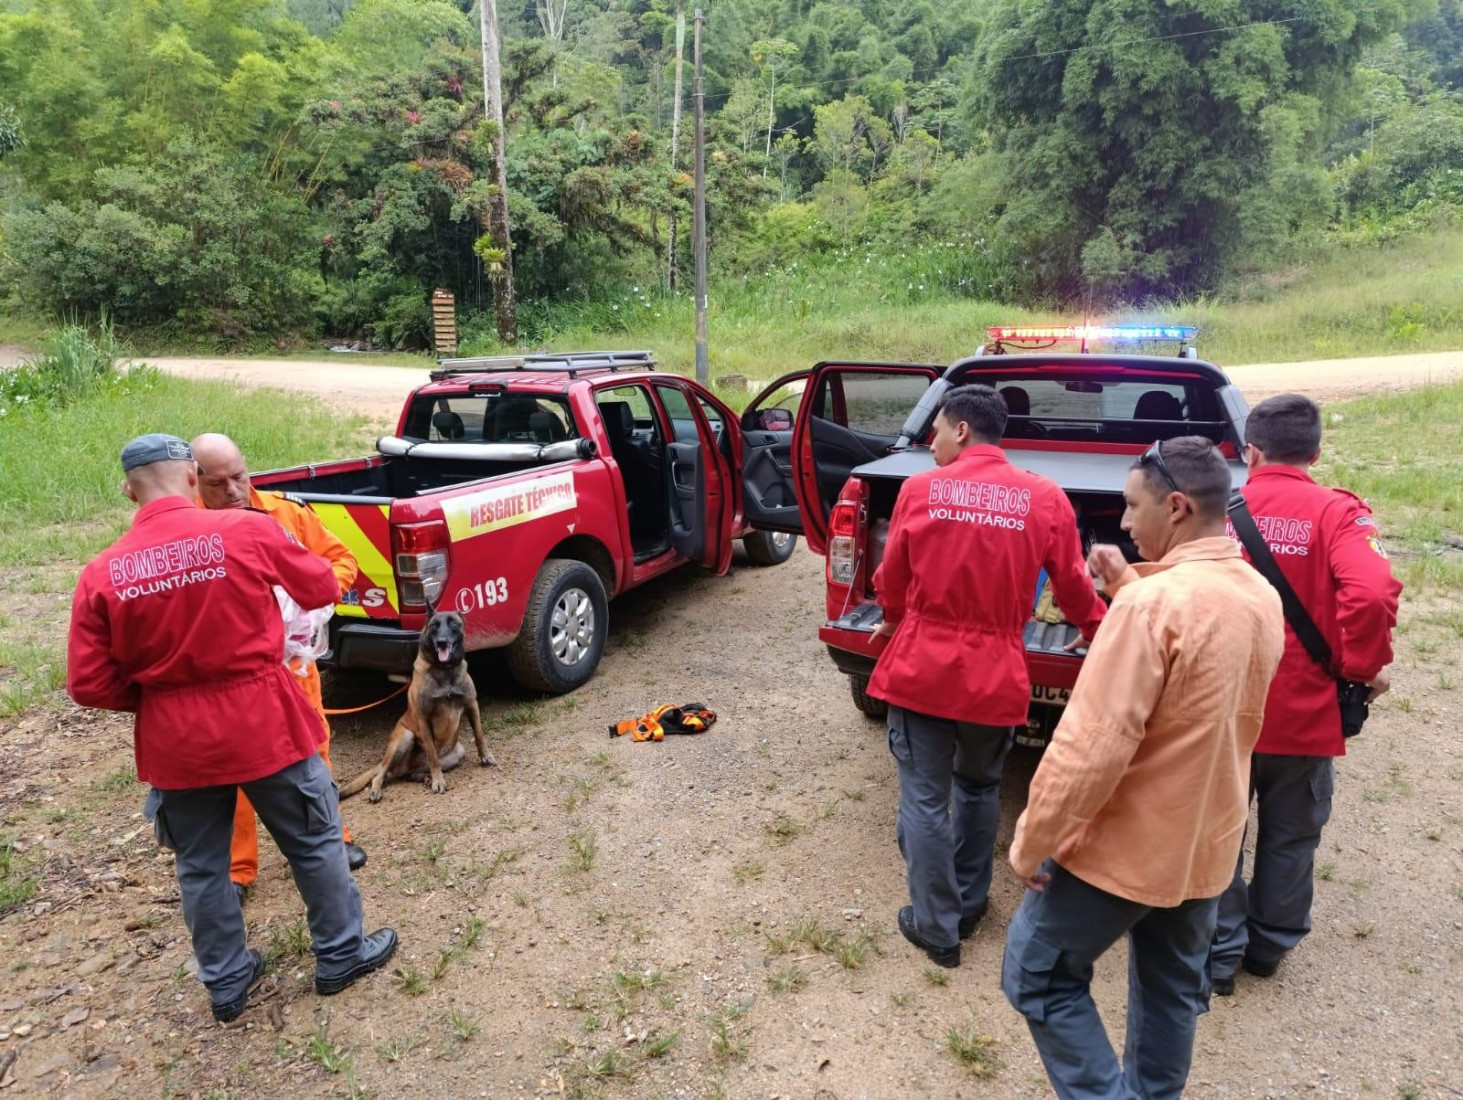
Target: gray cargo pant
{"type": "Point", "coordinates": [947, 838]}
{"type": "Point", "coordinates": [1051, 945]}
{"type": "Point", "coordinates": [1273, 914]}
{"type": "Point", "coordinates": [300, 808]}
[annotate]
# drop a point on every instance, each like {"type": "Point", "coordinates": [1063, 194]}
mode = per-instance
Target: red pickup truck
{"type": "Point", "coordinates": [1081, 419]}
{"type": "Point", "coordinates": [526, 491]}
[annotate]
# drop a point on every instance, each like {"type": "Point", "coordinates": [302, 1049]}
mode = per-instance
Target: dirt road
{"type": "Point", "coordinates": [378, 391]}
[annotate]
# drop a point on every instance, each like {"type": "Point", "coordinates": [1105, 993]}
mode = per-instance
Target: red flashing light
{"type": "Point", "coordinates": [1091, 332]}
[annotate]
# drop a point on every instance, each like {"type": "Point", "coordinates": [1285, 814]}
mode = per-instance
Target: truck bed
{"type": "Point", "coordinates": [1050, 639]}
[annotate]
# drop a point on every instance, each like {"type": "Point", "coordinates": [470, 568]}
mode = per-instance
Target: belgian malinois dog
{"type": "Point", "coordinates": [424, 743]}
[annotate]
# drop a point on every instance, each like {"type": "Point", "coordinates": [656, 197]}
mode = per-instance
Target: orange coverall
{"type": "Point", "coordinates": [306, 528]}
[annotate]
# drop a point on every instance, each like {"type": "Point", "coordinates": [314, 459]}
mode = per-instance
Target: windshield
{"type": "Point", "coordinates": [490, 418]}
{"type": "Point", "coordinates": [1068, 406]}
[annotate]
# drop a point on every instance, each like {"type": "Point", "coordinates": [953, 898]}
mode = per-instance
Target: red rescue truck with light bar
{"type": "Point", "coordinates": [524, 492]}
{"type": "Point", "coordinates": [1079, 417]}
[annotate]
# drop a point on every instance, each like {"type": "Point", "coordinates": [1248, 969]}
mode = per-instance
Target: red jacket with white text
{"type": "Point", "coordinates": [1326, 544]}
{"type": "Point", "coordinates": [177, 622]}
{"type": "Point", "coordinates": [966, 544]}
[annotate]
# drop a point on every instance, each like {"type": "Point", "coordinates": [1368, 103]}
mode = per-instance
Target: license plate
{"type": "Point", "coordinates": [1041, 722]}
{"type": "Point", "coordinates": [1057, 697]}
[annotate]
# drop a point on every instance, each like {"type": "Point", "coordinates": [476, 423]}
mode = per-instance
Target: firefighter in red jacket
{"type": "Point", "coordinates": [1325, 542]}
{"type": "Point", "coordinates": [177, 623]}
{"type": "Point", "coordinates": [966, 544]}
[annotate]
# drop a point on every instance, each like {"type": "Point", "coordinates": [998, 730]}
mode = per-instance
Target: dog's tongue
{"type": "Point", "coordinates": [444, 653]}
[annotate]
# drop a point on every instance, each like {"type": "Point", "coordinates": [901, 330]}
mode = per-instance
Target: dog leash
{"type": "Point", "coordinates": [368, 706]}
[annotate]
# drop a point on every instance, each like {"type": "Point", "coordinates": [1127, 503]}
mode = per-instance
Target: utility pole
{"type": "Point", "coordinates": [703, 367]}
{"type": "Point", "coordinates": [503, 297]}
{"type": "Point", "coordinates": [670, 268]}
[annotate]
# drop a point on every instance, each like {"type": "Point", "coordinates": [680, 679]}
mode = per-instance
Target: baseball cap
{"type": "Point", "coordinates": [155, 447]}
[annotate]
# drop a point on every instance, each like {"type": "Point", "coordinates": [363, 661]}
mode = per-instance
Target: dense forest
{"type": "Point", "coordinates": [246, 169]}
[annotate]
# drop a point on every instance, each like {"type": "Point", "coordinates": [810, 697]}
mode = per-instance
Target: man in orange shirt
{"type": "Point", "coordinates": [223, 482]}
{"type": "Point", "coordinates": [1137, 811]}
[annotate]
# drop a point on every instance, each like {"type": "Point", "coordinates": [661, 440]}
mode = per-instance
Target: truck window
{"type": "Point", "coordinates": [683, 421]}
{"type": "Point", "coordinates": [646, 422]}
{"type": "Point", "coordinates": [1074, 408]}
{"type": "Point", "coordinates": [869, 402]}
{"type": "Point", "coordinates": [490, 418]}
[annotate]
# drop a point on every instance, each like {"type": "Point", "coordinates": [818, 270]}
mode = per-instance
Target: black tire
{"type": "Point", "coordinates": [769, 547]}
{"type": "Point", "coordinates": [858, 687]}
{"type": "Point", "coordinates": [532, 658]}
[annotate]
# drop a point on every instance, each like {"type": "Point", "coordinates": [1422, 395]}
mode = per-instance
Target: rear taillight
{"type": "Point", "coordinates": [847, 528]}
{"type": "Point", "coordinates": [422, 558]}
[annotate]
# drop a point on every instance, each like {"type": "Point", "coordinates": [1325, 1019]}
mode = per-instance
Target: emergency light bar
{"type": "Point", "coordinates": [1092, 332]}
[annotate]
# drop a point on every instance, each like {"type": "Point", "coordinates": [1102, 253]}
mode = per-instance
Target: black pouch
{"type": "Point", "coordinates": [1354, 708]}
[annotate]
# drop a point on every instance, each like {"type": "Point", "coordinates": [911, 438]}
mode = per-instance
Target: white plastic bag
{"type": "Point", "coordinates": [306, 633]}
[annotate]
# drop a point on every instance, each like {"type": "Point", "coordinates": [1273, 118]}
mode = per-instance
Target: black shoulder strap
{"type": "Point", "coordinates": [1264, 562]}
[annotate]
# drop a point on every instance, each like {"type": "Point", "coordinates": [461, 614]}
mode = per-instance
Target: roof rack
{"type": "Point", "coordinates": [1001, 335]}
{"type": "Point", "coordinates": [570, 362]}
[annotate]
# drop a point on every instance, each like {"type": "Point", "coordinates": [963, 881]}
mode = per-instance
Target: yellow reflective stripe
{"type": "Point", "coordinates": [373, 564]}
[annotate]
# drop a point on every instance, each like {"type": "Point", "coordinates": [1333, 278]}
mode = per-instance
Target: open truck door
{"type": "Point", "coordinates": [698, 482]}
{"type": "Point", "coordinates": [769, 492]}
{"type": "Point", "coordinates": [851, 413]}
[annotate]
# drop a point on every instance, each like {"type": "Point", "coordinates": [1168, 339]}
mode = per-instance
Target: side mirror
{"type": "Point", "coordinates": [774, 420]}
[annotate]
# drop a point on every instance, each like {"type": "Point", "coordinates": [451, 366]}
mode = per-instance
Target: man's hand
{"type": "Point", "coordinates": [1081, 641]}
{"type": "Point", "coordinates": [885, 630]}
{"type": "Point", "coordinates": [1107, 563]}
{"type": "Point", "coordinates": [1037, 882]}
{"type": "Point", "coordinates": [1380, 685]}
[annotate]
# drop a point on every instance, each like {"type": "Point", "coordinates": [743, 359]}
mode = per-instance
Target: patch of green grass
{"type": "Point", "coordinates": [610, 1065]}
{"type": "Point", "coordinates": [746, 872]}
{"type": "Point", "coordinates": [1399, 452]}
{"type": "Point", "coordinates": [521, 715]}
{"type": "Point", "coordinates": [290, 942]}
{"type": "Point", "coordinates": [658, 1046]}
{"type": "Point", "coordinates": [476, 875]}
{"type": "Point", "coordinates": [789, 979]}
{"type": "Point", "coordinates": [121, 779]}
{"type": "Point", "coordinates": [784, 828]}
{"type": "Point", "coordinates": [627, 985]}
{"type": "Point", "coordinates": [436, 848]}
{"type": "Point", "coordinates": [29, 671]}
{"type": "Point", "coordinates": [464, 1027]}
{"type": "Point", "coordinates": [332, 1058]}
{"type": "Point", "coordinates": [851, 953]}
{"type": "Point", "coordinates": [410, 980]}
{"type": "Point", "coordinates": [1326, 872]}
{"type": "Point", "coordinates": [580, 791]}
{"type": "Point", "coordinates": [973, 1050]}
{"type": "Point", "coordinates": [582, 850]}
{"type": "Point", "coordinates": [728, 1037]}
{"type": "Point", "coordinates": [68, 510]}
{"type": "Point", "coordinates": [936, 976]}
{"type": "Point", "coordinates": [398, 1049]}
{"type": "Point", "coordinates": [18, 878]}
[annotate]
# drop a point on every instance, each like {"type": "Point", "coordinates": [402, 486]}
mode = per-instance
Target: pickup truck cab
{"type": "Point", "coordinates": [1079, 418]}
{"type": "Point", "coordinates": [525, 492]}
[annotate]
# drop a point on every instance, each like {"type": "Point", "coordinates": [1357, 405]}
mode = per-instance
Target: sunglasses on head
{"type": "Point", "coordinates": [1153, 456]}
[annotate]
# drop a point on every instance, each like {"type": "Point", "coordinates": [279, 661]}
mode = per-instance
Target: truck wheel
{"type": "Point", "coordinates": [769, 547]}
{"type": "Point", "coordinates": [563, 635]}
{"type": "Point", "coordinates": [858, 687]}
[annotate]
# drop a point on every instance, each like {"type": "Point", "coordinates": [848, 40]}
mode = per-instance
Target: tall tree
{"type": "Point", "coordinates": [1142, 131]}
{"type": "Point", "coordinates": [772, 56]}
{"type": "Point", "coordinates": [498, 256]}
